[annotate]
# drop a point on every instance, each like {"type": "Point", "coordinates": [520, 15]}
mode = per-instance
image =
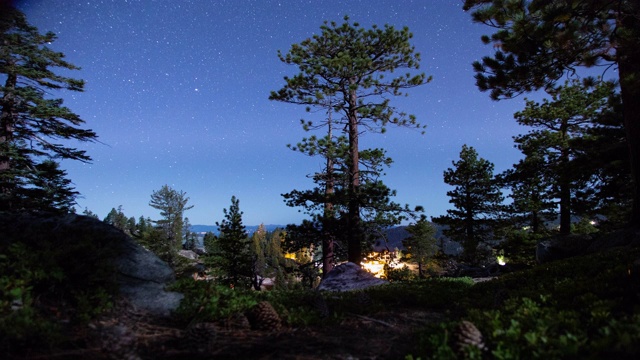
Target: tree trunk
{"type": "Point", "coordinates": [471, 243]}
{"type": "Point", "coordinates": [629, 71]}
{"type": "Point", "coordinates": [327, 239]}
{"type": "Point", "coordinates": [7, 118]}
{"type": "Point", "coordinates": [354, 250]}
{"type": "Point", "coordinates": [628, 58]}
{"type": "Point", "coordinates": [565, 192]}
{"type": "Point", "coordinates": [7, 123]}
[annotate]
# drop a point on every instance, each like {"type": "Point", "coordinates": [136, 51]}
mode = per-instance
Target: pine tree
{"type": "Point", "coordinates": [190, 237]}
{"type": "Point", "coordinates": [31, 122]}
{"type": "Point", "coordinates": [476, 198]}
{"type": "Point", "coordinates": [117, 219]}
{"type": "Point", "coordinates": [172, 205]}
{"type": "Point", "coordinates": [532, 204]}
{"type": "Point", "coordinates": [421, 244]}
{"type": "Point", "coordinates": [538, 42]}
{"type": "Point", "coordinates": [49, 189]}
{"type": "Point", "coordinates": [557, 125]}
{"type": "Point", "coordinates": [603, 154]}
{"type": "Point", "coordinates": [259, 261]}
{"type": "Point", "coordinates": [231, 254]}
{"type": "Point", "coordinates": [89, 213]}
{"type": "Point", "coordinates": [275, 258]}
{"type": "Point", "coordinates": [346, 69]}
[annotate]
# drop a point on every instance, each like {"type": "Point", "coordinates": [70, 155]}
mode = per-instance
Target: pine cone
{"type": "Point", "coordinates": [467, 334]}
{"type": "Point", "coordinates": [264, 317]}
{"type": "Point", "coordinates": [201, 337]}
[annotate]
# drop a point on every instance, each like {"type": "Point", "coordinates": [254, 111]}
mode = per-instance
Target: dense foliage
{"type": "Point", "coordinates": [476, 198]}
{"type": "Point", "coordinates": [537, 42]}
{"type": "Point", "coordinates": [421, 244]}
{"type": "Point", "coordinates": [49, 283]}
{"type": "Point", "coordinates": [230, 254]}
{"type": "Point", "coordinates": [346, 69]}
{"type": "Point", "coordinates": [32, 122]}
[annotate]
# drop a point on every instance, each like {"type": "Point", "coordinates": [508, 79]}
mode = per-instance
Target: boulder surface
{"type": "Point", "coordinates": [349, 276]}
{"type": "Point", "coordinates": [140, 275]}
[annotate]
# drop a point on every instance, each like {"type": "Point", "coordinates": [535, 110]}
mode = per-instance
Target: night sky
{"type": "Point", "coordinates": [178, 93]}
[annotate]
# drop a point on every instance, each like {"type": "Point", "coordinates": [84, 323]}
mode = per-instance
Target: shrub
{"type": "Point", "coordinates": [49, 281]}
{"type": "Point", "coordinates": [208, 301]}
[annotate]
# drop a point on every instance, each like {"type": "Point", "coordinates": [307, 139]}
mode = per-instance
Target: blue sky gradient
{"type": "Point", "coordinates": [178, 93]}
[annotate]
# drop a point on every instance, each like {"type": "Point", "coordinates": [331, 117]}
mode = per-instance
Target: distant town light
{"type": "Point", "coordinates": [374, 266]}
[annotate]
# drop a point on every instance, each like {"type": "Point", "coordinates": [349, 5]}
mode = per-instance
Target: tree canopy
{"type": "Point", "coordinates": [539, 41]}
{"type": "Point", "coordinates": [32, 122]}
{"type": "Point", "coordinates": [346, 69]}
{"type": "Point", "coordinates": [172, 205]}
{"type": "Point", "coordinates": [476, 198]}
{"type": "Point", "coordinates": [557, 126]}
{"type": "Point", "coordinates": [232, 254]}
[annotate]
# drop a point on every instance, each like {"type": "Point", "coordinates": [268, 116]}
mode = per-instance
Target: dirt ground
{"type": "Point", "coordinates": [388, 335]}
{"type": "Point", "coordinates": [384, 335]}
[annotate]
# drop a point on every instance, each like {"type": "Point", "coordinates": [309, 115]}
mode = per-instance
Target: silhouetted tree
{"type": "Point", "coordinates": [231, 252]}
{"type": "Point", "coordinates": [532, 203]}
{"type": "Point", "coordinates": [49, 188]}
{"type": "Point", "coordinates": [540, 41]}
{"type": "Point", "coordinates": [558, 123]}
{"type": "Point", "coordinates": [32, 123]}
{"type": "Point", "coordinates": [476, 198]}
{"type": "Point", "coordinates": [346, 69]}
{"type": "Point", "coordinates": [421, 244]}
{"type": "Point", "coordinates": [172, 205]}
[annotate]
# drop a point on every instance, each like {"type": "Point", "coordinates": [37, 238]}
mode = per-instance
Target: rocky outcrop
{"type": "Point", "coordinates": [349, 276]}
{"type": "Point", "coordinates": [140, 275]}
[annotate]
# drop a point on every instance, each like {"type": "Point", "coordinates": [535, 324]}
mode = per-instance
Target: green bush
{"type": "Point", "coordinates": [49, 282]}
{"type": "Point", "coordinates": [583, 307]}
{"type": "Point", "coordinates": [208, 301]}
{"type": "Point", "coordinates": [399, 274]}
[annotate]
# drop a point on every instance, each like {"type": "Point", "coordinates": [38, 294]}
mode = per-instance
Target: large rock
{"type": "Point", "coordinates": [140, 274]}
{"type": "Point", "coordinates": [349, 276]}
{"type": "Point", "coordinates": [142, 277]}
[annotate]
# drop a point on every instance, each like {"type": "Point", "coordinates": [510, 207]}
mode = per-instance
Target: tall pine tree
{"type": "Point", "coordinates": [231, 252]}
{"type": "Point", "coordinates": [348, 69]}
{"type": "Point", "coordinates": [476, 198]}
{"type": "Point", "coordinates": [32, 122]}
{"type": "Point", "coordinates": [558, 123]}
{"type": "Point", "coordinates": [538, 42]}
{"type": "Point", "coordinates": [172, 205]}
{"type": "Point", "coordinates": [421, 244]}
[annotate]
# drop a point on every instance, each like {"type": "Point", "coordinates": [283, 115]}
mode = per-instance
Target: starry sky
{"type": "Point", "coordinates": [178, 93]}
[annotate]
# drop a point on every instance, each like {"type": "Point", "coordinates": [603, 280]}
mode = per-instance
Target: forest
{"type": "Point", "coordinates": [549, 265]}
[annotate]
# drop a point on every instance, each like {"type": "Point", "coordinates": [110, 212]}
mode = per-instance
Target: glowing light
{"type": "Point", "coordinates": [501, 260]}
{"type": "Point", "coordinates": [374, 267]}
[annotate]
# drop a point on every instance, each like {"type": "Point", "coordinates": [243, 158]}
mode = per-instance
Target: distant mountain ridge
{"type": "Point", "coordinates": [395, 235]}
